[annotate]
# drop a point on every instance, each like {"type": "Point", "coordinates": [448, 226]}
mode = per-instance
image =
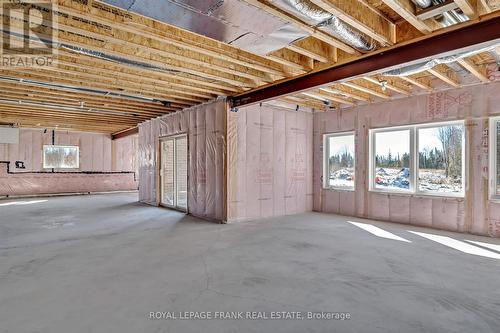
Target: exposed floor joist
{"type": "Point", "coordinates": [142, 57]}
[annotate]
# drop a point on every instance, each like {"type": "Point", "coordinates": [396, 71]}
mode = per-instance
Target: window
{"type": "Point", "coordinates": [392, 160]}
{"type": "Point", "coordinates": [61, 157]}
{"type": "Point", "coordinates": [339, 161]}
{"type": "Point", "coordinates": [174, 172]}
{"type": "Point", "coordinates": [495, 158]}
{"type": "Point", "coordinates": [440, 151]}
{"type": "Point", "coordinates": [424, 159]}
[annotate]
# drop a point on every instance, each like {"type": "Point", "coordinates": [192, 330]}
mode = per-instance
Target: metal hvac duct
{"type": "Point", "coordinates": [234, 22]}
{"type": "Point", "coordinates": [450, 17]}
{"type": "Point", "coordinates": [422, 3]}
{"type": "Point", "coordinates": [423, 66]}
{"type": "Point", "coordinates": [316, 16]}
{"type": "Point", "coordinates": [447, 18]}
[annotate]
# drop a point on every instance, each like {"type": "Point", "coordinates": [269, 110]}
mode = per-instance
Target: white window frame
{"type": "Point", "coordinates": [61, 146]}
{"type": "Point", "coordinates": [414, 159]}
{"type": "Point", "coordinates": [326, 149]}
{"type": "Point", "coordinates": [493, 158]}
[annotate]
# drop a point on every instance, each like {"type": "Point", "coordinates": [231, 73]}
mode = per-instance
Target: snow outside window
{"type": "Point", "coordinates": [440, 159]}
{"type": "Point", "coordinates": [495, 158]}
{"type": "Point", "coordinates": [422, 159]}
{"type": "Point", "coordinates": [61, 157]}
{"type": "Point", "coordinates": [392, 160]}
{"type": "Point", "coordinates": [339, 161]}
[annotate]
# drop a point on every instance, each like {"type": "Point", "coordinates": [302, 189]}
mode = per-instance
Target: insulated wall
{"type": "Point", "coordinates": [270, 162]}
{"type": "Point", "coordinates": [124, 153]}
{"type": "Point", "coordinates": [475, 213]}
{"type": "Point", "coordinates": [95, 149]}
{"type": "Point", "coordinates": [105, 165]}
{"type": "Point", "coordinates": [205, 126]}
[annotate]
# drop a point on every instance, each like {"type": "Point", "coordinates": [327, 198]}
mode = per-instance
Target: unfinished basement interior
{"type": "Point", "coordinates": [250, 166]}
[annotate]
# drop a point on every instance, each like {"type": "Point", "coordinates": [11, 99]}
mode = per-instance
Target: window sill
{"type": "Point", "coordinates": [420, 194]}
{"type": "Point", "coordinates": [494, 199]}
{"type": "Point", "coordinates": [339, 189]}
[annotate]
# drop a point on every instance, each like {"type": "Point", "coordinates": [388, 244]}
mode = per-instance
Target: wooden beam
{"type": "Point", "coordinates": [74, 79]}
{"type": "Point", "coordinates": [406, 9]}
{"type": "Point", "coordinates": [292, 59]}
{"type": "Point", "coordinates": [47, 122]}
{"type": "Point", "coordinates": [371, 91]}
{"type": "Point", "coordinates": [334, 97]}
{"type": "Point", "coordinates": [82, 104]}
{"type": "Point", "coordinates": [362, 18]}
{"type": "Point", "coordinates": [314, 49]}
{"type": "Point", "coordinates": [71, 33]}
{"type": "Point", "coordinates": [33, 88]}
{"type": "Point", "coordinates": [478, 72]}
{"type": "Point", "coordinates": [125, 133]}
{"type": "Point", "coordinates": [445, 74]}
{"type": "Point", "coordinates": [467, 6]}
{"type": "Point", "coordinates": [484, 7]}
{"type": "Point", "coordinates": [388, 85]}
{"type": "Point", "coordinates": [344, 91]}
{"type": "Point", "coordinates": [417, 82]}
{"type": "Point", "coordinates": [16, 98]}
{"type": "Point", "coordinates": [307, 103]}
{"type": "Point", "coordinates": [161, 32]}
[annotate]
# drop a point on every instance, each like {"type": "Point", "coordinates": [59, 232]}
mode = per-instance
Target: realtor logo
{"type": "Point", "coordinates": [28, 36]}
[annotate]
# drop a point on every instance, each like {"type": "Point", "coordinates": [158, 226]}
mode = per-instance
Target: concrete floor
{"type": "Point", "coordinates": [102, 263]}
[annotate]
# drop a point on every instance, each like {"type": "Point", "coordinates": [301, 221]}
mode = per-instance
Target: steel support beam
{"type": "Point", "coordinates": [484, 31]}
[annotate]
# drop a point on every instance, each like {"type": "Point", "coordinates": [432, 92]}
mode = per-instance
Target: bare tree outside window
{"type": "Point", "coordinates": [440, 159]}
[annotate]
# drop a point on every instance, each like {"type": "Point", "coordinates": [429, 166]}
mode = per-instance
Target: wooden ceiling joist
{"type": "Point", "coordinates": [406, 9]}
{"type": "Point", "coordinates": [375, 91]}
{"type": "Point", "coordinates": [385, 83]}
{"type": "Point", "coordinates": [76, 95]}
{"type": "Point", "coordinates": [418, 82]}
{"type": "Point", "coordinates": [75, 80]}
{"type": "Point", "coordinates": [151, 68]}
{"type": "Point", "coordinates": [77, 105]}
{"type": "Point", "coordinates": [335, 97]}
{"type": "Point", "coordinates": [478, 71]}
{"type": "Point", "coordinates": [292, 59]}
{"type": "Point", "coordinates": [315, 49]}
{"type": "Point", "coordinates": [445, 74]}
{"type": "Point", "coordinates": [305, 103]}
{"type": "Point", "coordinates": [345, 91]}
{"type": "Point", "coordinates": [467, 6]}
{"type": "Point", "coordinates": [149, 28]}
{"type": "Point", "coordinates": [435, 10]}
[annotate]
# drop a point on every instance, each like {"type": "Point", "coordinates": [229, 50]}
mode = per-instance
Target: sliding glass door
{"type": "Point", "coordinates": [174, 171]}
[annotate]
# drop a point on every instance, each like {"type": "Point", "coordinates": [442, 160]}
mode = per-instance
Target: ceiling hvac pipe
{"type": "Point", "coordinates": [447, 18]}
{"type": "Point", "coordinates": [316, 16]}
{"type": "Point", "coordinates": [422, 3]}
{"type": "Point", "coordinates": [418, 68]}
